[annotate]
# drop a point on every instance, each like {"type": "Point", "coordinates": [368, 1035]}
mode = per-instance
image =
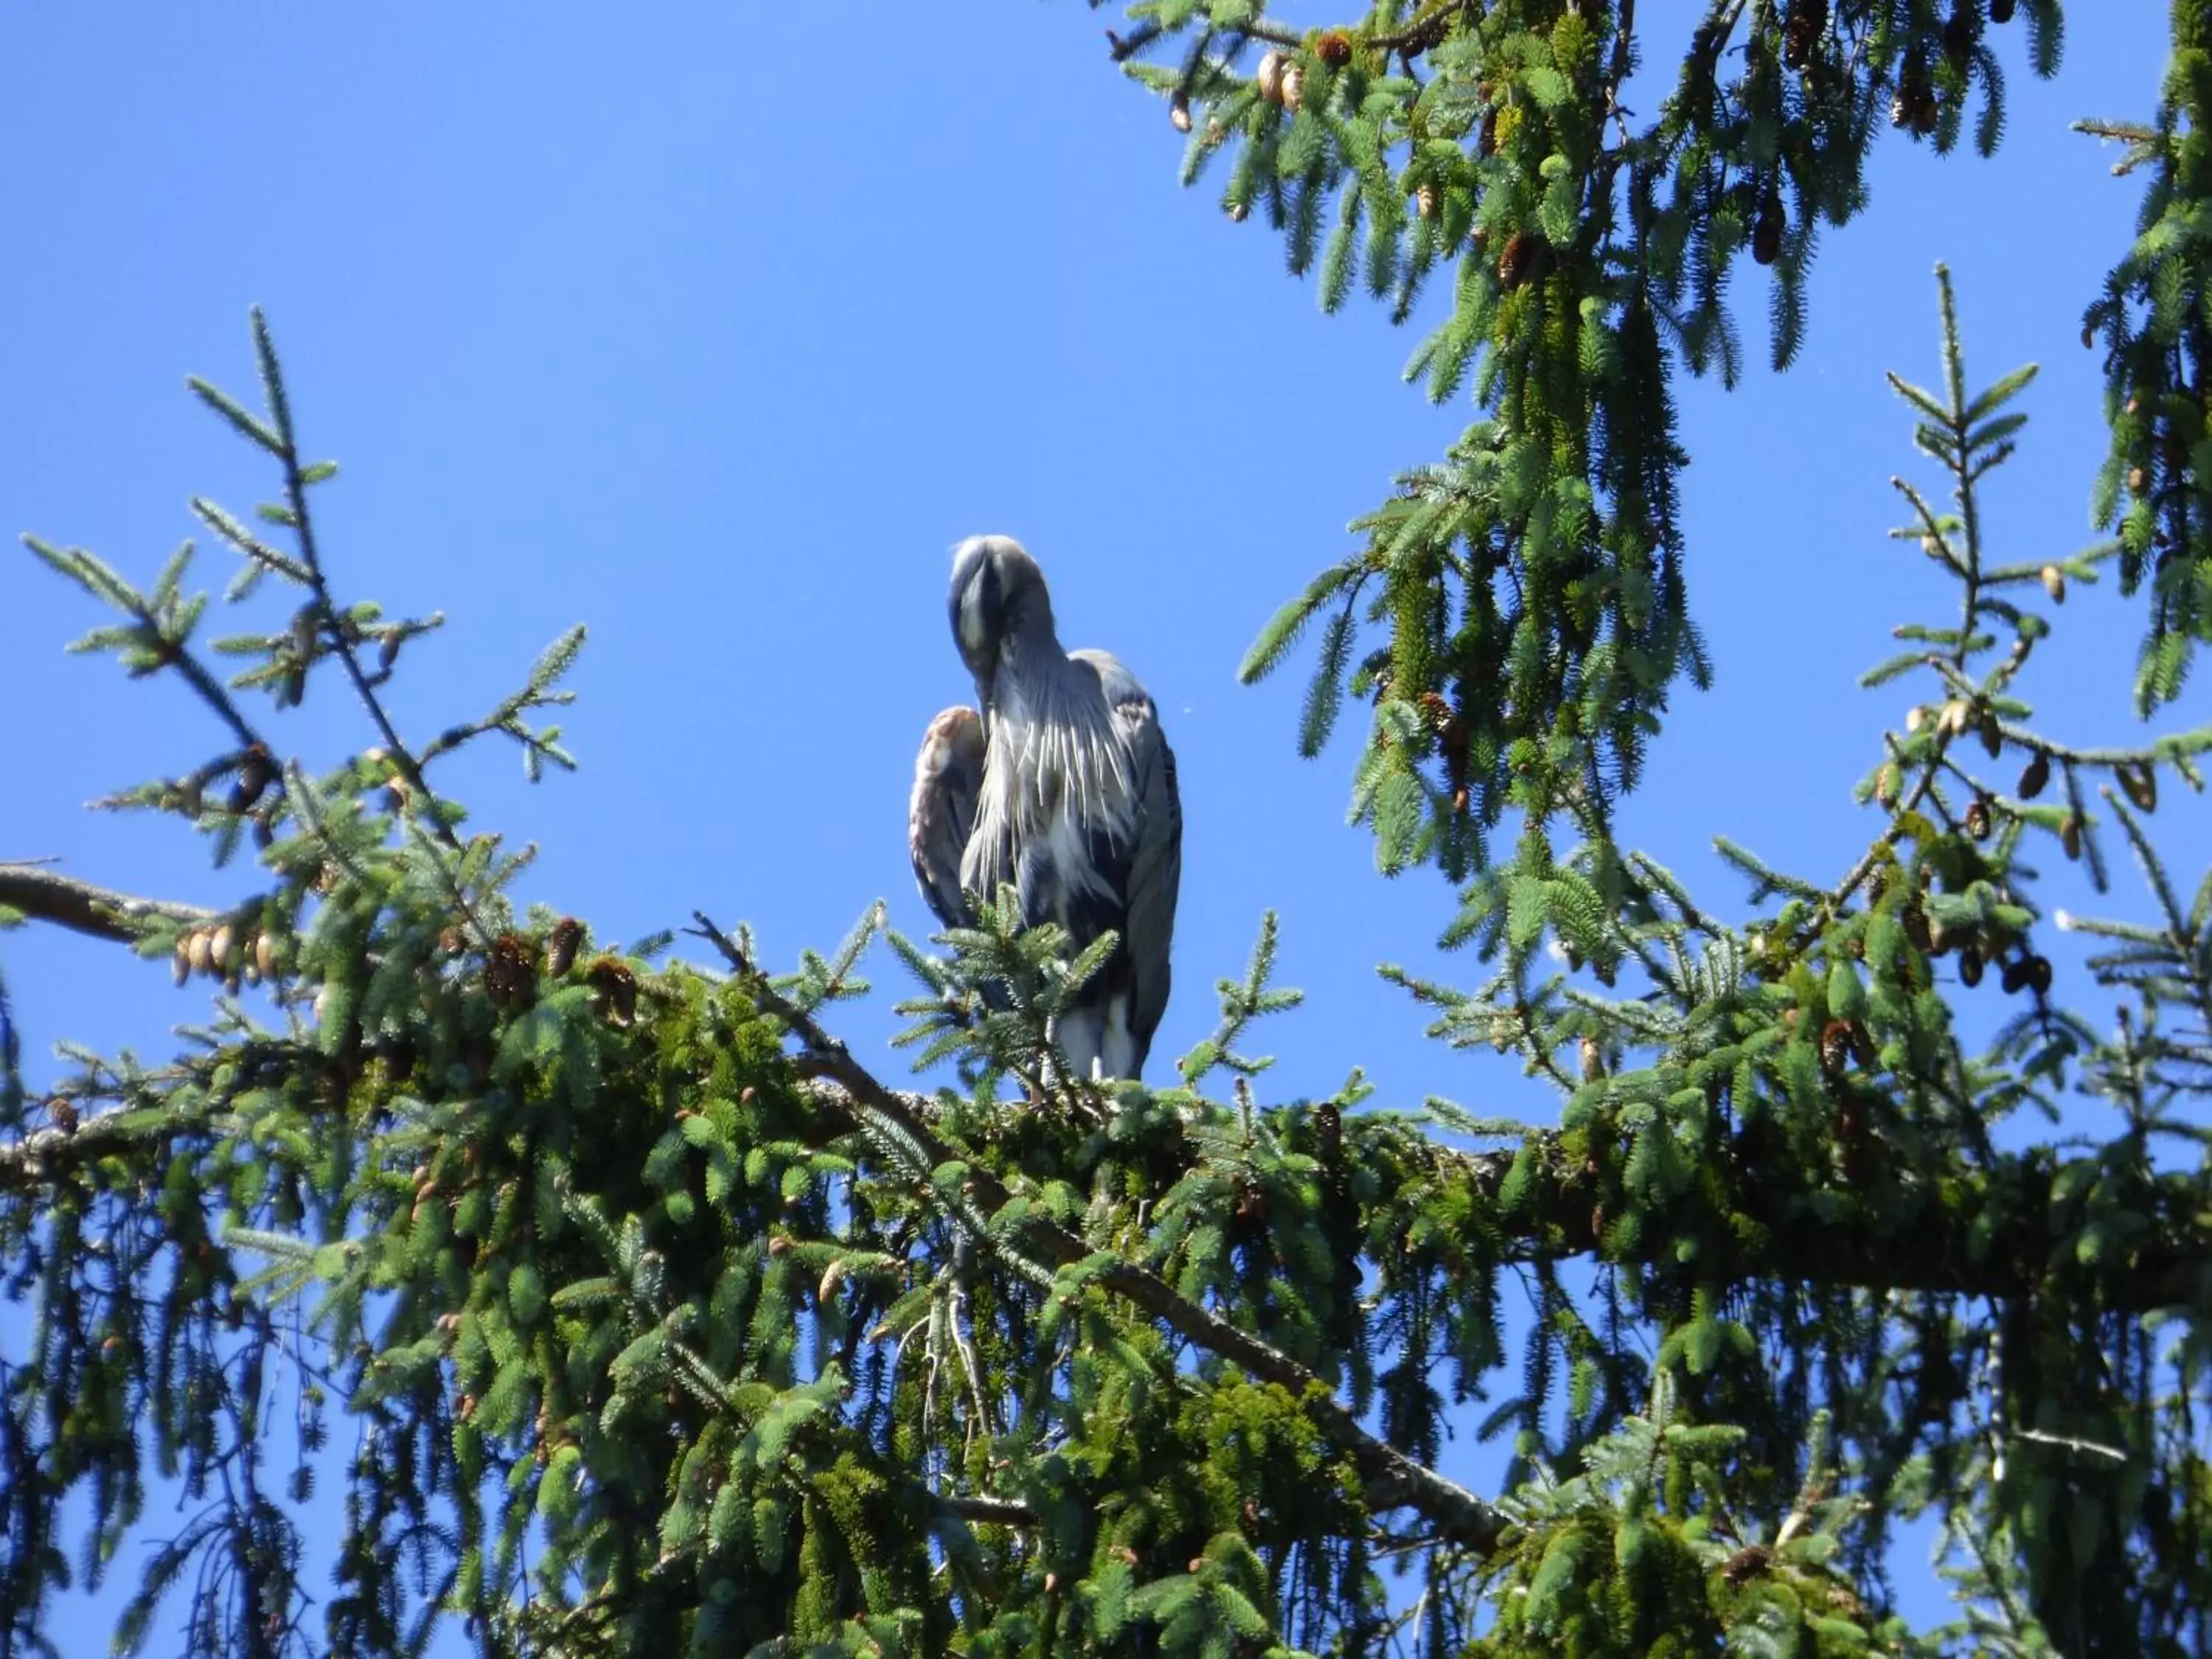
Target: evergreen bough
{"type": "Point", "coordinates": [657, 1321]}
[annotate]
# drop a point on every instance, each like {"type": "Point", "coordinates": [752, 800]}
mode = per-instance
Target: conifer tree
{"type": "Point", "coordinates": [640, 1314]}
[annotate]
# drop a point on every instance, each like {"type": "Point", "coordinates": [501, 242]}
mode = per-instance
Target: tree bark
{"type": "Point", "coordinates": [46, 895]}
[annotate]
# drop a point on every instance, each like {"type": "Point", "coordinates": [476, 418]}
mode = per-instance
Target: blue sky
{"type": "Point", "coordinates": [715, 328]}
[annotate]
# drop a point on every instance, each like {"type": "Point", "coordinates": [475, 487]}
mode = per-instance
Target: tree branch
{"type": "Point", "coordinates": [31, 1163]}
{"type": "Point", "coordinates": [1999, 1242]}
{"type": "Point", "coordinates": [1996, 1237]}
{"type": "Point", "coordinates": [325, 610]}
{"type": "Point", "coordinates": [989, 1511]}
{"type": "Point", "coordinates": [1934, 1254]}
{"type": "Point", "coordinates": [1391, 1479]}
{"type": "Point", "coordinates": [46, 895]}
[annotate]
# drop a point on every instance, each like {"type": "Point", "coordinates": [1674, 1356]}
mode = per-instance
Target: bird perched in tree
{"type": "Point", "coordinates": [1061, 785]}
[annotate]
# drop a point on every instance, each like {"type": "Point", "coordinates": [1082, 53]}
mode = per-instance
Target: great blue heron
{"type": "Point", "coordinates": [1063, 786]}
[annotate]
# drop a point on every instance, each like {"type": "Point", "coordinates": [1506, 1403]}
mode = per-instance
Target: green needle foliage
{"type": "Point", "coordinates": [1525, 601]}
{"type": "Point", "coordinates": [630, 1311]}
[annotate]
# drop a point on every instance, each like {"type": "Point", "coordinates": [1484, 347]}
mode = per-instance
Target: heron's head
{"type": "Point", "coordinates": [997, 594]}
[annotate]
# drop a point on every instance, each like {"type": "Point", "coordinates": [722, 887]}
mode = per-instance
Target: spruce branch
{"type": "Point", "coordinates": [1427, 29]}
{"type": "Point", "coordinates": [31, 1163]}
{"type": "Point", "coordinates": [46, 895]}
{"type": "Point", "coordinates": [1946, 1253]}
{"type": "Point", "coordinates": [984, 1510]}
{"type": "Point", "coordinates": [156, 638]}
{"type": "Point", "coordinates": [325, 612]}
{"type": "Point", "coordinates": [1392, 1480]}
{"type": "Point", "coordinates": [145, 1115]}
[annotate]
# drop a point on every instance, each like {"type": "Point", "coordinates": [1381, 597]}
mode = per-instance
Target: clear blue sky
{"type": "Point", "coordinates": [716, 326]}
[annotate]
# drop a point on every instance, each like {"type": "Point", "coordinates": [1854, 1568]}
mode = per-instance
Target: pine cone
{"type": "Point", "coordinates": [1914, 104]}
{"type": "Point", "coordinates": [1836, 1046]}
{"type": "Point", "coordinates": [2001, 11]}
{"type": "Point", "coordinates": [1518, 262]}
{"type": "Point", "coordinates": [1268, 77]}
{"type": "Point", "coordinates": [507, 975]}
{"type": "Point", "coordinates": [2034, 776]}
{"type": "Point", "coordinates": [1329, 1133]}
{"type": "Point", "coordinates": [615, 989]}
{"type": "Point", "coordinates": [255, 769]}
{"type": "Point", "coordinates": [2140, 785]}
{"type": "Point", "coordinates": [560, 949]}
{"type": "Point", "coordinates": [2054, 583]}
{"type": "Point", "coordinates": [1766, 233]}
{"type": "Point", "coordinates": [1915, 921]}
{"type": "Point", "coordinates": [1179, 111]}
{"type": "Point", "coordinates": [1801, 34]}
{"type": "Point", "coordinates": [1959, 32]}
{"type": "Point", "coordinates": [1977, 820]}
{"type": "Point", "coordinates": [1333, 48]}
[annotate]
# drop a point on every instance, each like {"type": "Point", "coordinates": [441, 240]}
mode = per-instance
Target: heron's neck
{"type": "Point", "coordinates": [1029, 660]}
{"type": "Point", "coordinates": [1033, 684]}
{"type": "Point", "coordinates": [1052, 745]}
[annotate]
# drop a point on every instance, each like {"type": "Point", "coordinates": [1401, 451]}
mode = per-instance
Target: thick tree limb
{"type": "Point", "coordinates": [46, 895]}
{"type": "Point", "coordinates": [990, 1511]}
{"type": "Point", "coordinates": [35, 1162]}
{"type": "Point", "coordinates": [75, 1134]}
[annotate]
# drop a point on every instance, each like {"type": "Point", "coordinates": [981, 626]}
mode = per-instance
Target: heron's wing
{"type": "Point", "coordinates": [1154, 870]}
{"type": "Point", "coordinates": [948, 777]}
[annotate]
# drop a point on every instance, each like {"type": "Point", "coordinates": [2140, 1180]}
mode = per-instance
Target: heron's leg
{"type": "Point", "coordinates": [1079, 1034]}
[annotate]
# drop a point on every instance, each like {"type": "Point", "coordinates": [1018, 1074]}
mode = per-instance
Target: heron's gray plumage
{"type": "Point", "coordinates": [1077, 807]}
